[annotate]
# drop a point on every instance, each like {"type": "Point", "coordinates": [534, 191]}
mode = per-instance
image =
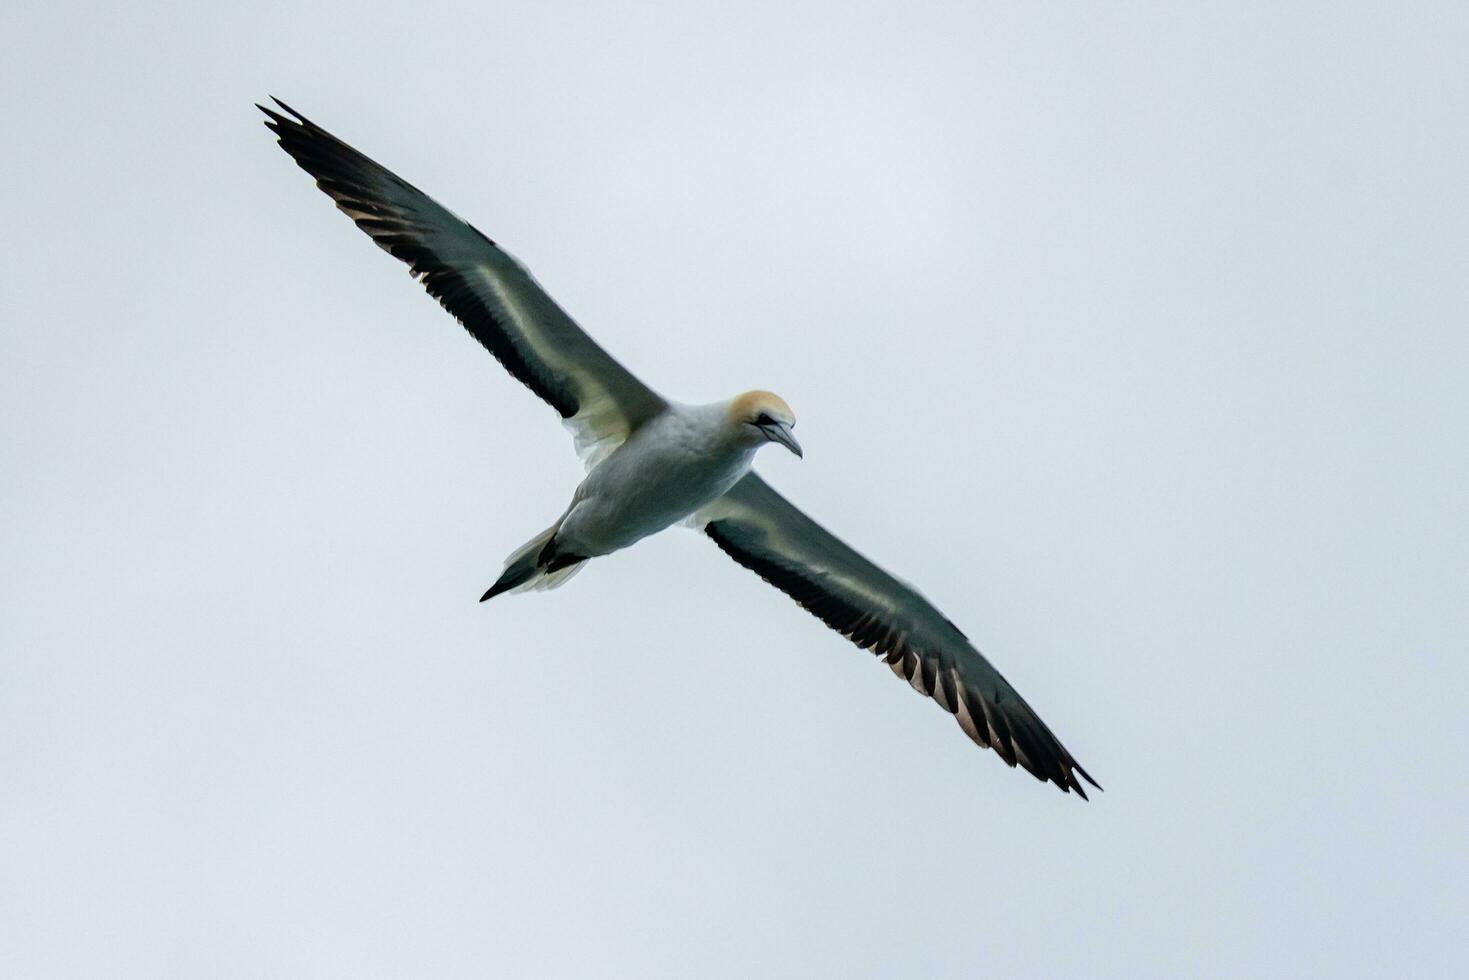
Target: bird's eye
{"type": "Point", "coordinates": [764, 419]}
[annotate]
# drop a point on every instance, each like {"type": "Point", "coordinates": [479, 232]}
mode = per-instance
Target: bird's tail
{"type": "Point", "coordinates": [536, 565]}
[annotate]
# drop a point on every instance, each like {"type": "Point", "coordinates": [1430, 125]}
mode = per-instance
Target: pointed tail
{"type": "Point", "coordinates": [535, 566]}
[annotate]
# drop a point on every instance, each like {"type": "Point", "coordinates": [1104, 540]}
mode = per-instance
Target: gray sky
{"type": "Point", "coordinates": [1133, 334]}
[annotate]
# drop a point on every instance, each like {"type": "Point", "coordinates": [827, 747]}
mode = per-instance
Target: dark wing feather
{"type": "Point", "coordinates": [758, 528]}
{"type": "Point", "coordinates": [491, 294]}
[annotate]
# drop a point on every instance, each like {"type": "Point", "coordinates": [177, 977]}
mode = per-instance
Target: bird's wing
{"type": "Point", "coordinates": [758, 528]}
{"type": "Point", "coordinates": [492, 295]}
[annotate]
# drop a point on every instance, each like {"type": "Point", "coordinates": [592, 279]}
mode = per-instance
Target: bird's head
{"type": "Point", "coordinates": [762, 416]}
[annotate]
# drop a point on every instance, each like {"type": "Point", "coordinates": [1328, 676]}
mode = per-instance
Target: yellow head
{"type": "Point", "coordinates": [763, 416]}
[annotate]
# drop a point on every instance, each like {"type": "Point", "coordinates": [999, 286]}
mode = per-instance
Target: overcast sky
{"type": "Point", "coordinates": [1134, 335]}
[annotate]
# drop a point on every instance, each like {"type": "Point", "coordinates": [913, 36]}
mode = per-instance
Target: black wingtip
{"type": "Point", "coordinates": [277, 120]}
{"type": "Point", "coordinates": [299, 118]}
{"type": "Point", "coordinates": [274, 120]}
{"type": "Point", "coordinates": [495, 590]}
{"type": "Point", "coordinates": [1074, 784]}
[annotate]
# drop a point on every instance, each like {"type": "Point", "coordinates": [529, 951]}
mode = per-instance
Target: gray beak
{"type": "Point", "coordinates": [781, 433]}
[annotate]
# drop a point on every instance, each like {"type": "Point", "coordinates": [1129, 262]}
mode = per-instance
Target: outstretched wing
{"type": "Point", "coordinates": [758, 528]}
{"type": "Point", "coordinates": [488, 291]}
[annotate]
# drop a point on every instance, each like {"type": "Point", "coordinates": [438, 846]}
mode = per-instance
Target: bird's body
{"type": "Point", "coordinates": [653, 463]}
{"type": "Point", "coordinates": [682, 459]}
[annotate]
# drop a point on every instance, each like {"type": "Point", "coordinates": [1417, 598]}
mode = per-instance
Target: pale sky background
{"type": "Point", "coordinates": [1135, 335]}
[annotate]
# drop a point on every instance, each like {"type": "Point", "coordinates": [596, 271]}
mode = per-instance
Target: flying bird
{"type": "Point", "coordinates": [653, 463]}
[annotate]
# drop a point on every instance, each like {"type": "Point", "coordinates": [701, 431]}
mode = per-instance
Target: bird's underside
{"type": "Point", "coordinates": [502, 306]}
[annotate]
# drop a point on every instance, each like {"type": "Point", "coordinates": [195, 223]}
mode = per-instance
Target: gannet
{"type": "Point", "coordinates": [653, 463]}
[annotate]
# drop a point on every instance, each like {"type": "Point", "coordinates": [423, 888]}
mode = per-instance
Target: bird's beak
{"type": "Point", "coordinates": [781, 433]}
